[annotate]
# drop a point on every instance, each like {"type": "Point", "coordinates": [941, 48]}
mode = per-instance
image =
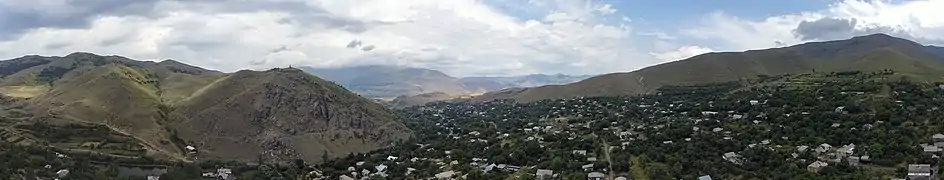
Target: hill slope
{"type": "Point", "coordinates": [868, 53]}
{"type": "Point", "coordinates": [126, 108]}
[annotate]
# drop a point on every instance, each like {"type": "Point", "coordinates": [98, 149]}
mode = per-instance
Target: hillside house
{"type": "Point", "coordinates": [922, 172]}
{"type": "Point", "coordinates": [816, 166]}
{"type": "Point", "coordinates": [543, 174]}
{"type": "Point", "coordinates": [595, 176]}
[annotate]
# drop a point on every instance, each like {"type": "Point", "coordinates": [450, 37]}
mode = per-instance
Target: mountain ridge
{"type": "Point", "coordinates": [840, 55]}
{"type": "Point", "coordinates": [158, 108]}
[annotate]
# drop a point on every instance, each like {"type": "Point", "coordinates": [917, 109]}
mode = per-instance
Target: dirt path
{"type": "Point", "coordinates": [609, 161]}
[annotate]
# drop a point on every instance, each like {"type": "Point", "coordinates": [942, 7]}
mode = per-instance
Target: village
{"type": "Point", "coordinates": [793, 126]}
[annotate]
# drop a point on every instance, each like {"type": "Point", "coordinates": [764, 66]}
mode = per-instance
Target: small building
{"type": "Point", "coordinates": [62, 173]}
{"type": "Point", "coordinates": [153, 178]}
{"type": "Point", "coordinates": [822, 148]}
{"type": "Point", "coordinates": [621, 178]}
{"type": "Point", "coordinates": [445, 175]}
{"type": "Point", "coordinates": [921, 172]}
{"type": "Point", "coordinates": [732, 157]}
{"type": "Point", "coordinates": [544, 174]}
{"type": "Point", "coordinates": [853, 160]}
{"type": "Point", "coordinates": [815, 167]}
{"type": "Point", "coordinates": [580, 152]}
{"type": "Point", "coordinates": [345, 177]}
{"type": "Point", "coordinates": [587, 167]}
{"type": "Point", "coordinates": [705, 177]}
{"type": "Point", "coordinates": [595, 176]}
{"type": "Point", "coordinates": [937, 137]}
{"type": "Point", "coordinates": [225, 173]}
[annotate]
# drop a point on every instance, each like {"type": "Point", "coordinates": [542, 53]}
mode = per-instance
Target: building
{"type": "Point", "coordinates": [595, 176]}
{"type": "Point", "coordinates": [345, 177]}
{"type": "Point", "coordinates": [445, 175]}
{"type": "Point", "coordinates": [225, 174]}
{"type": "Point", "coordinates": [543, 174]}
{"type": "Point", "coordinates": [922, 172]}
{"type": "Point", "coordinates": [705, 177]}
{"type": "Point", "coordinates": [815, 167]}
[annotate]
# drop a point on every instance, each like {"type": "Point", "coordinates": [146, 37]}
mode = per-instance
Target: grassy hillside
{"type": "Point", "coordinates": [127, 108]}
{"type": "Point", "coordinates": [867, 53]}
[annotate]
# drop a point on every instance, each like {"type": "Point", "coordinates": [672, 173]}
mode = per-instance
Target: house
{"type": "Point", "coordinates": [732, 157]}
{"type": "Point", "coordinates": [802, 148]}
{"type": "Point", "coordinates": [815, 167]}
{"type": "Point", "coordinates": [381, 168]}
{"type": "Point", "coordinates": [580, 152]}
{"type": "Point", "coordinates": [853, 160]}
{"type": "Point", "coordinates": [592, 159]}
{"type": "Point", "coordinates": [225, 173]}
{"type": "Point", "coordinates": [445, 175]}
{"type": "Point", "coordinates": [705, 177]}
{"type": "Point", "coordinates": [921, 172]}
{"type": "Point", "coordinates": [587, 167]}
{"type": "Point", "coordinates": [544, 174]}
{"type": "Point", "coordinates": [621, 178]}
{"type": "Point", "coordinates": [930, 149]}
{"type": "Point", "coordinates": [754, 102]}
{"type": "Point", "coordinates": [823, 148]}
{"type": "Point", "coordinates": [490, 167]}
{"type": "Point", "coordinates": [595, 176]}
{"type": "Point", "coordinates": [937, 137]}
{"type": "Point", "coordinates": [846, 150]}
{"type": "Point", "coordinates": [392, 158]}
{"type": "Point", "coordinates": [153, 178]}
{"type": "Point", "coordinates": [62, 173]}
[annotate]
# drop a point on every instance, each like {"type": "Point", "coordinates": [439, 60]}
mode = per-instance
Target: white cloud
{"type": "Point", "coordinates": [681, 53]}
{"type": "Point", "coordinates": [460, 37]}
{"type": "Point", "coordinates": [918, 20]}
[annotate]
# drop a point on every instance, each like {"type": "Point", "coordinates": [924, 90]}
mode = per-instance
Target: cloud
{"type": "Point", "coordinates": [460, 37]}
{"type": "Point", "coordinates": [683, 52]}
{"type": "Point", "coordinates": [915, 20]}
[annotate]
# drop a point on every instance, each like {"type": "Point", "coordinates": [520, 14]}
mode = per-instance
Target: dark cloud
{"type": "Point", "coordinates": [18, 16]}
{"type": "Point", "coordinates": [835, 28]}
{"type": "Point", "coordinates": [825, 29]}
{"type": "Point", "coordinates": [354, 44]}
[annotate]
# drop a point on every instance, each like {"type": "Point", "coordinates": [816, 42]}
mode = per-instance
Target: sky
{"type": "Point", "coordinates": [458, 37]}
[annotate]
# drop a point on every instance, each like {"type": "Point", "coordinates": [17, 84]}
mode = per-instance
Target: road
{"type": "Point", "coordinates": [609, 161]}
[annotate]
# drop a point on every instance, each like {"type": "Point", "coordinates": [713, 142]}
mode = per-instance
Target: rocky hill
{"type": "Point", "coordinates": [125, 108]}
{"type": "Point", "coordinates": [866, 53]}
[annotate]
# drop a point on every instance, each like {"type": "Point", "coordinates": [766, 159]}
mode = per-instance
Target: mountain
{"type": "Point", "coordinates": [126, 108]}
{"type": "Point", "coordinates": [389, 82]}
{"type": "Point", "coordinates": [486, 84]}
{"type": "Point", "coordinates": [864, 53]}
{"type": "Point", "coordinates": [377, 81]}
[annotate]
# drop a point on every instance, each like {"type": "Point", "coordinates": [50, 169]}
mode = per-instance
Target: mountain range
{"type": "Point", "coordinates": [121, 107]}
{"type": "Point", "coordinates": [874, 52]}
{"type": "Point", "coordinates": [410, 86]}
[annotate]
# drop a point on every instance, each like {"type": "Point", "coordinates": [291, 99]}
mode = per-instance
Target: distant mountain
{"type": "Point", "coordinates": [866, 53]}
{"type": "Point", "coordinates": [486, 84]}
{"type": "Point", "coordinates": [125, 108]}
{"type": "Point", "coordinates": [389, 82]}
{"type": "Point", "coordinates": [936, 51]}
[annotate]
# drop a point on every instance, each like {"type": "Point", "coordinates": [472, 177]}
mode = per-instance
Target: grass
{"type": "Point", "coordinates": [24, 91]}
